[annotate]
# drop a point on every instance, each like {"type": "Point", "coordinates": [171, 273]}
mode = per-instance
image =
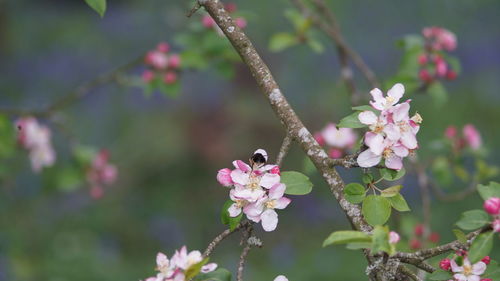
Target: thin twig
{"type": "Point", "coordinates": [194, 9]}
{"type": "Point", "coordinates": [285, 147]}
{"type": "Point", "coordinates": [223, 235]}
{"type": "Point", "coordinates": [244, 252]}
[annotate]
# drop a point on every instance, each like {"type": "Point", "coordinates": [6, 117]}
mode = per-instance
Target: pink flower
{"type": "Point", "coordinates": [422, 59]}
{"type": "Point", "coordinates": [496, 225]}
{"type": "Point", "coordinates": [472, 136]}
{"type": "Point", "coordinates": [393, 153]}
{"type": "Point", "coordinates": [441, 68]}
{"type": "Point", "coordinates": [163, 47]}
{"type": "Point", "coordinates": [157, 59]}
{"type": "Point", "coordinates": [170, 77]}
{"type": "Point", "coordinates": [208, 21]}
{"type": "Point", "coordinates": [224, 177]}
{"type": "Point", "coordinates": [230, 7]}
{"type": "Point", "coordinates": [434, 237]}
{"type": "Point", "coordinates": [451, 75]}
{"type": "Point", "coordinates": [338, 137]}
{"type": "Point", "coordinates": [439, 38]}
{"type": "Point", "coordinates": [486, 260]}
{"type": "Point", "coordinates": [450, 132]}
{"type": "Point", "coordinates": [148, 76]}
{"type": "Point", "coordinates": [425, 76]}
{"type": "Point", "coordinates": [280, 278]}
{"type": "Point", "coordinates": [35, 138]}
{"type": "Point", "coordinates": [174, 61]}
{"type": "Point", "coordinates": [393, 95]}
{"type": "Point", "coordinates": [318, 136]}
{"type": "Point", "coordinates": [468, 272]}
{"type": "Point", "coordinates": [419, 229]}
{"type": "Point", "coordinates": [492, 206]}
{"type": "Point", "coordinates": [240, 22]}
{"type": "Point", "coordinates": [393, 237]}
{"type": "Point", "coordinates": [445, 264]}
{"type": "Point", "coordinates": [100, 173]}
{"type": "Point", "coordinates": [335, 153]}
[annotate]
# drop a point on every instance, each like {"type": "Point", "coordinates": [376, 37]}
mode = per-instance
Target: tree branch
{"type": "Point", "coordinates": [223, 235]}
{"type": "Point", "coordinates": [285, 147]}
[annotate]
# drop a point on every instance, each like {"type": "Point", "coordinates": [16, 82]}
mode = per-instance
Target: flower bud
{"type": "Point", "coordinates": [240, 22]}
{"type": "Point", "coordinates": [445, 264]}
{"type": "Point", "coordinates": [434, 237]}
{"type": "Point", "coordinates": [174, 61]}
{"type": "Point", "coordinates": [230, 7]}
{"type": "Point", "coordinates": [224, 177]}
{"type": "Point", "coordinates": [208, 21]}
{"type": "Point", "coordinates": [486, 279]}
{"type": "Point", "coordinates": [425, 76]}
{"type": "Point", "coordinates": [451, 75]}
{"type": "Point", "coordinates": [319, 138]}
{"type": "Point", "coordinates": [472, 136]}
{"type": "Point", "coordinates": [170, 77]}
{"type": "Point", "coordinates": [415, 244]}
{"type": "Point", "coordinates": [486, 260]}
{"type": "Point", "coordinates": [335, 153]}
{"type": "Point", "coordinates": [275, 170]}
{"type": "Point", "coordinates": [393, 237]}
{"type": "Point", "coordinates": [492, 206]}
{"type": "Point", "coordinates": [441, 68]}
{"type": "Point", "coordinates": [96, 192]}
{"type": "Point", "coordinates": [450, 132]}
{"type": "Point", "coordinates": [419, 229]}
{"type": "Point", "coordinates": [422, 59]}
{"type": "Point", "coordinates": [496, 225]}
{"type": "Point", "coordinates": [148, 76]}
{"type": "Point", "coordinates": [163, 47]}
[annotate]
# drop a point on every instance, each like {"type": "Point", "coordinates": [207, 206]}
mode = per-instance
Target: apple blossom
{"type": "Point", "coordinates": [280, 278]}
{"type": "Point", "coordinates": [148, 76]}
{"type": "Point", "coordinates": [486, 260]}
{"type": "Point", "coordinates": [100, 173]}
{"type": "Point", "coordinates": [393, 237]}
{"type": "Point", "coordinates": [35, 138]}
{"type": "Point", "coordinates": [163, 47]}
{"type": "Point", "coordinates": [170, 77]}
{"type": "Point", "coordinates": [341, 138]}
{"type": "Point", "coordinates": [445, 264]}
{"type": "Point", "coordinates": [496, 225]}
{"type": "Point", "coordinates": [472, 136]}
{"type": "Point", "coordinates": [439, 38]}
{"type": "Point", "coordinates": [257, 190]}
{"type": "Point", "coordinates": [492, 206]}
{"type": "Point", "coordinates": [162, 63]}
{"type": "Point", "coordinates": [468, 271]}
{"type": "Point", "coordinates": [175, 268]}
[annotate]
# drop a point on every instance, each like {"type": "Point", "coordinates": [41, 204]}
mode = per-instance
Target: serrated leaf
{"type": "Point", "coordinates": [440, 275]}
{"type": "Point", "coordinates": [351, 121]}
{"type": "Point", "coordinates": [226, 219]}
{"type": "Point", "coordinates": [354, 193]}
{"type": "Point", "coordinates": [488, 191]}
{"type": "Point", "coordinates": [392, 175]}
{"type": "Point", "coordinates": [391, 191]}
{"type": "Point", "coordinates": [481, 246]}
{"type": "Point", "coordinates": [398, 202]}
{"type": "Point", "coordinates": [296, 183]}
{"type": "Point", "coordinates": [376, 209]}
{"type": "Point", "coordinates": [347, 236]}
{"type": "Point", "coordinates": [473, 219]}
{"type": "Point", "coordinates": [221, 274]}
{"type": "Point", "coordinates": [281, 41]}
{"type": "Point", "coordinates": [460, 236]}
{"type": "Point", "coordinates": [97, 5]}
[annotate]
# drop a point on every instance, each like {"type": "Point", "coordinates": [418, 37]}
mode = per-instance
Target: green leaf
{"type": "Point", "coordinates": [392, 175]}
{"type": "Point", "coordinates": [98, 5]}
{"type": "Point", "coordinates": [411, 41]}
{"type": "Point", "coordinates": [367, 178]}
{"type": "Point", "coordinates": [440, 275]}
{"type": "Point", "coordinates": [460, 236]}
{"type": "Point", "coordinates": [438, 93]}
{"type": "Point", "coordinates": [354, 193]}
{"type": "Point", "coordinates": [226, 219]}
{"type": "Point", "coordinates": [376, 209]}
{"type": "Point", "coordinates": [281, 41]}
{"type": "Point", "coordinates": [296, 183]}
{"type": "Point", "coordinates": [490, 190]}
{"type": "Point", "coordinates": [381, 240]}
{"type": "Point", "coordinates": [364, 108]}
{"type": "Point", "coordinates": [351, 121]}
{"type": "Point", "coordinates": [359, 245]}
{"type": "Point", "coordinates": [347, 236]}
{"type": "Point", "coordinates": [193, 270]}
{"type": "Point", "coordinates": [409, 62]}
{"type": "Point", "coordinates": [398, 202]}
{"type": "Point", "coordinates": [492, 271]}
{"type": "Point", "coordinates": [299, 22]}
{"type": "Point", "coordinates": [316, 46]}
{"type": "Point", "coordinates": [473, 219]}
{"type": "Point", "coordinates": [221, 274]}
{"type": "Point", "coordinates": [441, 170]}
{"type": "Point", "coordinates": [481, 246]}
{"type": "Point", "coordinates": [193, 59]}
{"type": "Point", "coordinates": [391, 191]}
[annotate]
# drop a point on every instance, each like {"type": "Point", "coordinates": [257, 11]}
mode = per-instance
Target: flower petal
{"type": "Point", "coordinates": [209, 267]}
{"type": "Point", "coordinates": [478, 268]}
{"type": "Point", "coordinates": [269, 180]}
{"type": "Point", "coordinates": [392, 132]}
{"type": "Point", "coordinates": [409, 140]}
{"type": "Point", "coordinates": [396, 92]}
{"type": "Point", "coordinates": [240, 177]}
{"type": "Point", "coordinates": [376, 144]}
{"type": "Point", "coordinates": [238, 164]}
{"type": "Point", "coordinates": [401, 112]}
{"type": "Point", "coordinates": [368, 159]}
{"type": "Point", "coordinates": [234, 210]}
{"type": "Point", "coordinates": [269, 220]}
{"type": "Point", "coordinates": [282, 203]}
{"type": "Point", "coordinates": [277, 191]}
{"type": "Point", "coordinates": [394, 162]}
{"type": "Point", "coordinates": [367, 118]}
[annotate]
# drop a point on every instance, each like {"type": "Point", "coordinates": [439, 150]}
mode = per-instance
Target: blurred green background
{"type": "Point", "coordinates": [169, 150]}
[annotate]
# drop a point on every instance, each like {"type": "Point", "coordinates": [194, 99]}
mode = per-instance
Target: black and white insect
{"type": "Point", "coordinates": [258, 159]}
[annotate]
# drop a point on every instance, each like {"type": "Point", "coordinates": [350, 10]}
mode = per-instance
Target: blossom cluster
{"type": "Point", "coordinates": [392, 134]}
{"type": "Point", "coordinates": [175, 269]}
{"type": "Point", "coordinates": [470, 137]}
{"type": "Point", "coordinates": [433, 63]}
{"type": "Point", "coordinates": [422, 236]}
{"type": "Point", "coordinates": [209, 22]}
{"type": "Point", "coordinates": [465, 271]}
{"type": "Point", "coordinates": [256, 190]}
{"type": "Point", "coordinates": [161, 64]}
{"type": "Point", "coordinates": [492, 207]}
{"type": "Point", "coordinates": [35, 138]}
{"type": "Point", "coordinates": [100, 173]}
{"type": "Point", "coordinates": [339, 140]}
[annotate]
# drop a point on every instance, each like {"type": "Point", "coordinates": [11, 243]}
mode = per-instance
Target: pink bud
{"type": "Point", "coordinates": [445, 264]}
{"type": "Point", "coordinates": [441, 68]}
{"type": "Point", "coordinates": [319, 138]}
{"type": "Point", "coordinates": [335, 153]}
{"type": "Point", "coordinates": [419, 229]}
{"type": "Point", "coordinates": [163, 47]}
{"type": "Point", "coordinates": [240, 22]}
{"type": "Point", "coordinates": [451, 75]}
{"type": "Point", "coordinates": [486, 260]}
{"type": "Point", "coordinates": [148, 76]}
{"type": "Point", "coordinates": [393, 237]}
{"type": "Point", "coordinates": [461, 253]}
{"type": "Point", "coordinates": [422, 59]}
{"type": "Point", "coordinates": [170, 77]}
{"type": "Point", "coordinates": [450, 132]}
{"type": "Point", "coordinates": [486, 279]}
{"type": "Point", "coordinates": [208, 21]}
{"type": "Point", "coordinates": [472, 136]}
{"type": "Point", "coordinates": [96, 192]}
{"type": "Point", "coordinates": [425, 76]}
{"type": "Point", "coordinates": [415, 244]}
{"type": "Point", "coordinates": [230, 7]}
{"type": "Point", "coordinates": [492, 206]}
{"type": "Point", "coordinates": [275, 170]}
{"type": "Point", "coordinates": [174, 61]}
{"type": "Point", "coordinates": [496, 225]}
{"type": "Point", "coordinates": [434, 237]}
{"type": "Point", "coordinates": [224, 177]}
